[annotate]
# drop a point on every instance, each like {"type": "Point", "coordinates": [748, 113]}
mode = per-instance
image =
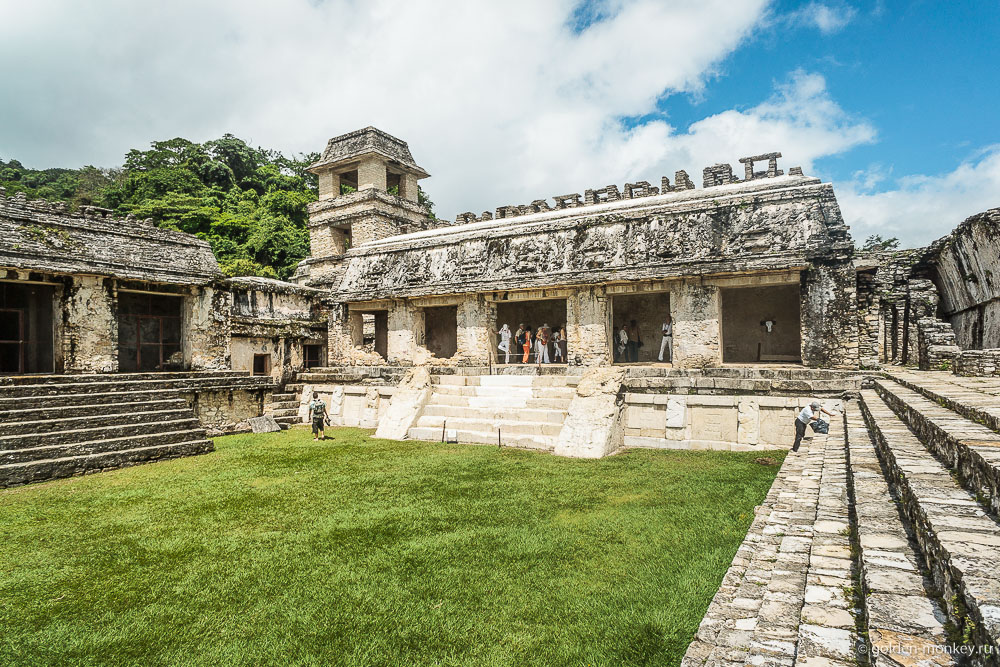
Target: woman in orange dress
{"type": "Point", "coordinates": [527, 344]}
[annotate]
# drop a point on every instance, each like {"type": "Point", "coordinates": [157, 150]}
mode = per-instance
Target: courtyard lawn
{"type": "Point", "coordinates": [279, 550]}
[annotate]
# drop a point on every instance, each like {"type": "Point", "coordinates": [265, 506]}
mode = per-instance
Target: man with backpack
{"type": "Point", "coordinates": [317, 415]}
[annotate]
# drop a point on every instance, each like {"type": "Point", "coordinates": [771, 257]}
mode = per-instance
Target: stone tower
{"type": "Point", "coordinates": [367, 191]}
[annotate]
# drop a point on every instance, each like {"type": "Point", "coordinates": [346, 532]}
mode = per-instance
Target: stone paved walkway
{"type": "Point", "coordinates": [785, 596]}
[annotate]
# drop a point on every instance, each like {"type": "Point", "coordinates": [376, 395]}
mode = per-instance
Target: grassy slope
{"type": "Point", "coordinates": [276, 549]}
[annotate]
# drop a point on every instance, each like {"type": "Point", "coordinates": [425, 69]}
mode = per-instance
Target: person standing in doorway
{"type": "Point", "coordinates": [504, 345]}
{"type": "Point", "coordinates": [542, 344]}
{"type": "Point", "coordinates": [634, 341]}
{"type": "Point", "coordinates": [622, 344]}
{"type": "Point", "coordinates": [809, 413]}
{"type": "Point", "coordinates": [667, 343]}
{"type": "Point", "coordinates": [526, 344]}
{"type": "Point", "coordinates": [317, 415]}
{"type": "Point", "coordinates": [558, 356]}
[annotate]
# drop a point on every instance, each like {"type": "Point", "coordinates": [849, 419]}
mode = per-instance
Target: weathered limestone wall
{"type": "Point", "coordinates": [696, 312]}
{"type": "Point", "coordinates": [227, 411]}
{"type": "Point", "coordinates": [964, 267]}
{"type": "Point", "coordinates": [476, 316]}
{"type": "Point", "coordinates": [349, 404]}
{"type": "Point", "coordinates": [588, 326]}
{"type": "Point", "coordinates": [207, 329]}
{"type": "Point", "coordinates": [90, 325]}
{"type": "Point", "coordinates": [829, 316]}
{"type": "Point", "coordinates": [736, 423]}
{"type": "Point", "coordinates": [977, 362]}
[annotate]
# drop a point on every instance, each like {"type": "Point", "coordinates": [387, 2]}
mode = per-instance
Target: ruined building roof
{"type": "Point", "coordinates": [765, 224]}
{"type": "Point", "coordinates": [45, 237]}
{"type": "Point", "coordinates": [367, 141]}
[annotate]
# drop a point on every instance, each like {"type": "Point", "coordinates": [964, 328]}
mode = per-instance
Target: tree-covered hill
{"type": "Point", "coordinates": [248, 203]}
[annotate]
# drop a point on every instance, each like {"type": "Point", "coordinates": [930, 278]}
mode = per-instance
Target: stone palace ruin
{"type": "Point", "coordinates": [122, 343]}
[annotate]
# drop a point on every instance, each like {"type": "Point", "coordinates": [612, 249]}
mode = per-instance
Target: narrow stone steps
{"type": "Point", "coordinates": [506, 380]}
{"type": "Point", "coordinates": [284, 397]}
{"type": "Point", "coordinates": [60, 423]}
{"type": "Point", "coordinates": [943, 388]}
{"type": "Point", "coordinates": [489, 414]}
{"type": "Point", "coordinates": [131, 407]}
{"type": "Point", "coordinates": [960, 543]}
{"type": "Point", "coordinates": [433, 434]}
{"type": "Point", "coordinates": [506, 426]}
{"type": "Point", "coordinates": [43, 439]}
{"type": "Point", "coordinates": [42, 470]}
{"type": "Point", "coordinates": [566, 393]}
{"type": "Point", "coordinates": [100, 445]}
{"type": "Point", "coordinates": [71, 378]}
{"type": "Point", "coordinates": [971, 450]}
{"type": "Point", "coordinates": [285, 405]}
{"type": "Point", "coordinates": [902, 612]}
{"type": "Point", "coordinates": [284, 412]}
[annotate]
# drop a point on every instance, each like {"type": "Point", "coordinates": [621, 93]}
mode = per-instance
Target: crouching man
{"type": "Point", "coordinates": [809, 413]}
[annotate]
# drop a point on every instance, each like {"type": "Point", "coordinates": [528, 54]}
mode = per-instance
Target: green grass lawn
{"type": "Point", "coordinates": [279, 550]}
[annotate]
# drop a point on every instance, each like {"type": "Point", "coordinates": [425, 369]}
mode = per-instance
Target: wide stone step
{"type": "Point", "coordinates": [87, 410]}
{"type": "Point", "coordinates": [106, 386]}
{"type": "Point", "coordinates": [70, 378]}
{"type": "Point", "coordinates": [58, 401]}
{"type": "Point", "coordinates": [78, 448]}
{"type": "Point", "coordinates": [960, 543]}
{"type": "Point", "coordinates": [295, 388]}
{"type": "Point", "coordinates": [29, 440]}
{"type": "Point", "coordinates": [433, 434]}
{"type": "Point", "coordinates": [973, 398]}
{"type": "Point", "coordinates": [489, 414]}
{"type": "Point", "coordinates": [93, 421]}
{"type": "Point", "coordinates": [900, 608]}
{"type": "Point", "coordinates": [285, 412]}
{"type": "Point", "coordinates": [518, 427]}
{"type": "Point", "coordinates": [278, 398]}
{"type": "Point", "coordinates": [506, 380]}
{"type": "Point", "coordinates": [971, 450]}
{"type": "Point", "coordinates": [285, 405]}
{"type": "Point", "coordinates": [500, 402]}
{"type": "Point", "coordinates": [37, 471]}
{"type": "Point", "coordinates": [506, 391]}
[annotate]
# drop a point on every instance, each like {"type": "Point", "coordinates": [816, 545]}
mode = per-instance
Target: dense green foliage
{"type": "Point", "coordinates": [248, 203]}
{"type": "Point", "coordinates": [353, 551]}
{"type": "Point", "coordinates": [875, 243]}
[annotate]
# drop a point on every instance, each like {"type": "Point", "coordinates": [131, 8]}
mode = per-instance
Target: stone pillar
{"type": "Point", "coordinates": [329, 184]}
{"type": "Point", "coordinates": [476, 317]}
{"type": "Point", "coordinates": [90, 326]}
{"type": "Point", "coordinates": [408, 187]}
{"type": "Point", "coordinates": [829, 327]}
{"type": "Point", "coordinates": [695, 310]}
{"type": "Point", "coordinates": [206, 333]}
{"type": "Point", "coordinates": [339, 341]}
{"type": "Point", "coordinates": [406, 334]}
{"type": "Point", "coordinates": [371, 174]}
{"type": "Point", "coordinates": [588, 327]}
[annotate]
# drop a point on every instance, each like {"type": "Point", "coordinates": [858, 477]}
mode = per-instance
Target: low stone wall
{"type": "Point", "coordinates": [936, 344]}
{"type": "Point", "coordinates": [348, 404]}
{"type": "Point", "coordinates": [735, 423]}
{"type": "Point", "coordinates": [223, 411]}
{"type": "Point", "coordinates": [977, 362]}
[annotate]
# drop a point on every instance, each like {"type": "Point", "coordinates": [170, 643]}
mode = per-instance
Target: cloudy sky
{"type": "Point", "coordinates": [505, 102]}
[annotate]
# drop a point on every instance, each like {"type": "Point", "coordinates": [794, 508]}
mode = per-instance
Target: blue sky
{"type": "Point", "coordinates": [503, 103]}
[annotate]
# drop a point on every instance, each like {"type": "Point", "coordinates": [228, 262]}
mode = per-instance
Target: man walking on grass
{"type": "Point", "coordinates": [317, 414]}
{"type": "Point", "coordinates": [808, 414]}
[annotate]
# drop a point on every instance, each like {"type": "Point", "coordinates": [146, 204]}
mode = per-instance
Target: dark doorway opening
{"type": "Point", "coordinates": [312, 356]}
{"type": "Point", "coordinates": [536, 315]}
{"type": "Point", "coordinates": [375, 332]}
{"type": "Point", "coordinates": [761, 324]}
{"type": "Point", "coordinates": [26, 329]}
{"type": "Point", "coordinates": [149, 332]}
{"type": "Point", "coordinates": [441, 331]}
{"type": "Point", "coordinates": [642, 316]}
{"type": "Point", "coordinates": [262, 364]}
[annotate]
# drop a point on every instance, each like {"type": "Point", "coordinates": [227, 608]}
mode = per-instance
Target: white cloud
{"type": "Point", "coordinates": [921, 208]}
{"type": "Point", "coordinates": [501, 102]}
{"type": "Point", "coordinates": [826, 18]}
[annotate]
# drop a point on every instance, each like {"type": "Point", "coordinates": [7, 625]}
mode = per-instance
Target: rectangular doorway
{"type": "Point", "coordinates": [312, 356]}
{"type": "Point", "coordinates": [642, 316]}
{"type": "Point", "coordinates": [261, 364]}
{"type": "Point", "coordinates": [26, 329]}
{"type": "Point", "coordinates": [761, 324]}
{"type": "Point", "coordinates": [149, 332]}
{"type": "Point", "coordinates": [535, 316]}
{"type": "Point", "coordinates": [441, 331]}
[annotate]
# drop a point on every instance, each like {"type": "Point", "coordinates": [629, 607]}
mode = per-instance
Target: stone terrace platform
{"type": "Point", "coordinates": [878, 543]}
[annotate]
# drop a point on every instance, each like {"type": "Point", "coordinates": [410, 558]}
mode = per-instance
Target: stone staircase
{"type": "Point", "coordinates": [516, 410]}
{"type": "Point", "coordinates": [919, 584]}
{"type": "Point", "coordinates": [284, 406]}
{"type": "Point", "coordinates": [63, 425]}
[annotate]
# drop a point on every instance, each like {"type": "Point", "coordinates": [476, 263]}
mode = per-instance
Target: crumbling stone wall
{"type": "Point", "coordinates": [936, 344]}
{"type": "Point", "coordinates": [696, 313]}
{"type": "Point", "coordinates": [206, 330]}
{"type": "Point", "coordinates": [90, 325]}
{"type": "Point", "coordinates": [964, 265]}
{"type": "Point", "coordinates": [977, 362]}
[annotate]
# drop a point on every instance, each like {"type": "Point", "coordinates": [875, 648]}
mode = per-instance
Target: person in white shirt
{"type": "Point", "coordinates": [809, 413]}
{"type": "Point", "coordinates": [622, 343]}
{"type": "Point", "coordinates": [667, 343]}
{"type": "Point", "coordinates": [504, 345]}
